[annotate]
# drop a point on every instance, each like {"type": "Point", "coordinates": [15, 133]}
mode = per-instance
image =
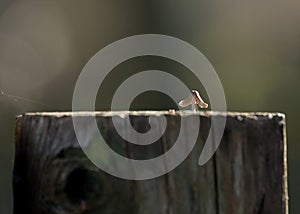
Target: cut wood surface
{"type": "Point", "coordinates": [247, 174]}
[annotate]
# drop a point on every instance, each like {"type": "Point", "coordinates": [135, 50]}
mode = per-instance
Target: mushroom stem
{"type": "Point", "coordinates": [193, 107]}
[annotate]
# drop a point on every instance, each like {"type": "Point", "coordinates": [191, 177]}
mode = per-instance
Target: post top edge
{"type": "Point", "coordinates": [155, 113]}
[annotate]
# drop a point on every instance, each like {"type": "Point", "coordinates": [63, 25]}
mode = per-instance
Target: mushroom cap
{"type": "Point", "coordinates": [198, 99]}
{"type": "Point", "coordinates": [186, 102]}
{"type": "Point", "coordinates": [195, 98]}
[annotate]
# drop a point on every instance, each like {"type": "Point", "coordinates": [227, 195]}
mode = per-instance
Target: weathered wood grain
{"type": "Point", "coordinates": [248, 173]}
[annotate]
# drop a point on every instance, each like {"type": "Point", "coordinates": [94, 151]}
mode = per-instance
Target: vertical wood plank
{"type": "Point", "coordinates": [250, 165]}
{"type": "Point", "coordinates": [246, 175]}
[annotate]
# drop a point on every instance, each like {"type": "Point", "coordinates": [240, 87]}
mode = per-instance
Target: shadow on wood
{"type": "Point", "coordinates": [246, 175]}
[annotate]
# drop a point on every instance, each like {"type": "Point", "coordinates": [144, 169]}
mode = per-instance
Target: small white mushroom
{"type": "Point", "coordinates": [192, 100]}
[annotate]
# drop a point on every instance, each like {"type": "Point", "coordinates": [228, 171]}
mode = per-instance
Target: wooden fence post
{"type": "Point", "coordinates": [247, 174]}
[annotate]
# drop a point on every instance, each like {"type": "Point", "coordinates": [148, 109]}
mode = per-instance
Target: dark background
{"type": "Point", "coordinates": [253, 45]}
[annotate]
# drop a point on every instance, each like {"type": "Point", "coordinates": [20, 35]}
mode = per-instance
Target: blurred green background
{"type": "Point", "coordinates": [253, 45]}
